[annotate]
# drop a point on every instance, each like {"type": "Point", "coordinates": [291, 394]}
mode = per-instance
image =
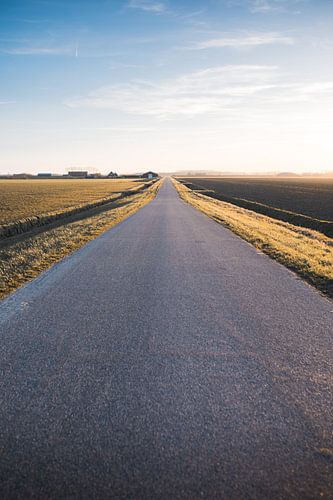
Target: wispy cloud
{"type": "Point", "coordinates": [271, 6]}
{"type": "Point", "coordinates": [37, 51]}
{"type": "Point", "coordinates": [211, 91]}
{"type": "Point", "coordinates": [120, 130]}
{"type": "Point", "coordinates": [219, 91]}
{"type": "Point", "coordinates": [303, 92]}
{"type": "Point", "coordinates": [119, 65]}
{"type": "Point", "coordinates": [147, 5]}
{"type": "Point", "coordinates": [239, 42]}
{"type": "Point", "coordinates": [266, 6]}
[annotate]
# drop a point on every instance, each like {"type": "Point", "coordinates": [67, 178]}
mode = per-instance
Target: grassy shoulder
{"type": "Point", "coordinates": [305, 251]}
{"type": "Point", "coordinates": [295, 202]}
{"type": "Point", "coordinates": [28, 257]}
{"type": "Point", "coordinates": [48, 216]}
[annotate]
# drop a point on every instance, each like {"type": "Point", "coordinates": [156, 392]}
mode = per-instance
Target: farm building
{"type": "Point", "coordinates": [95, 175]}
{"type": "Point", "coordinates": [149, 175]}
{"type": "Point", "coordinates": [44, 174]}
{"type": "Point", "coordinates": [81, 174]}
{"type": "Point", "coordinates": [112, 174]}
{"type": "Point", "coordinates": [23, 176]}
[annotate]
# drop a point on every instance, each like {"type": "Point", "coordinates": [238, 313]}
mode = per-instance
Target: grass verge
{"type": "Point", "coordinates": [305, 251]}
{"type": "Point", "coordinates": [297, 219]}
{"type": "Point", "coordinates": [28, 257]}
{"type": "Point", "coordinates": [28, 224]}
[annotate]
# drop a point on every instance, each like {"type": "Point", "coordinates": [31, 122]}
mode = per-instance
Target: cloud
{"type": "Point", "coordinates": [147, 5]}
{"type": "Point", "coordinates": [210, 91]}
{"type": "Point", "coordinates": [268, 6]}
{"type": "Point", "coordinates": [37, 51]}
{"type": "Point", "coordinates": [245, 41]}
{"type": "Point", "coordinates": [318, 88]}
{"type": "Point", "coordinates": [271, 6]}
{"type": "Point", "coordinates": [217, 91]}
{"type": "Point", "coordinates": [119, 65]}
{"type": "Point", "coordinates": [120, 130]}
{"type": "Point", "coordinates": [265, 6]}
{"type": "Point", "coordinates": [303, 92]}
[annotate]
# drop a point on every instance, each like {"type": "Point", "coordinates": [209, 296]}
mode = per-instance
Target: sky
{"type": "Point", "coordinates": [134, 85]}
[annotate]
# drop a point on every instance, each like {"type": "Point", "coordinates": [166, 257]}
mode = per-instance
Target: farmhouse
{"type": "Point", "coordinates": [112, 174]}
{"type": "Point", "coordinates": [149, 175]}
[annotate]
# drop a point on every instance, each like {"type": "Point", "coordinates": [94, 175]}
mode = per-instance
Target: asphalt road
{"type": "Point", "coordinates": [166, 359]}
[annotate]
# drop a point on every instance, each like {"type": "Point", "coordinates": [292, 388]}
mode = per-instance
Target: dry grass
{"type": "Point", "coordinates": [21, 199]}
{"type": "Point", "coordinates": [305, 251]}
{"type": "Point", "coordinates": [24, 260]}
{"type": "Point", "coordinates": [301, 201]}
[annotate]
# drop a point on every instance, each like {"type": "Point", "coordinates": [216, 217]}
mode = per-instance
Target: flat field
{"type": "Point", "coordinates": [24, 257]}
{"type": "Point", "coordinates": [305, 251]}
{"type": "Point", "coordinates": [300, 201]}
{"type": "Point", "coordinates": [20, 199]}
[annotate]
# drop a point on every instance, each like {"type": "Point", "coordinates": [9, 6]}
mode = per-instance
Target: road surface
{"type": "Point", "coordinates": [166, 359]}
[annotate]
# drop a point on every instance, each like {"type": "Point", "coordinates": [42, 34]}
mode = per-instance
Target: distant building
{"type": "Point", "coordinates": [112, 175]}
{"type": "Point", "coordinates": [95, 175]}
{"type": "Point", "coordinates": [287, 174]}
{"type": "Point", "coordinates": [78, 174]}
{"type": "Point", "coordinates": [44, 174]}
{"type": "Point", "coordinates": [130, 176]}
{"type": "Point", "coordinates": [149, 175]}
{"type": "Point", "coordinates": [23, 176]}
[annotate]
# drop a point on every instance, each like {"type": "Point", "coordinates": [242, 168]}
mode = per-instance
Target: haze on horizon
{"type": "Point", "coordinates": [127, 85]}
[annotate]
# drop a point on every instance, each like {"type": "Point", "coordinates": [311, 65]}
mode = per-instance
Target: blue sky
{"type": "Point", "coordinates": [127, 85]}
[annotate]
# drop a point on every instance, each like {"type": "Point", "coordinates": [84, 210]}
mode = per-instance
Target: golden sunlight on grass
{"type": "Point", "coordinates": [305, 251]}
{"type": "Point", "coordinates": [28, 257]}
{"type": "Point", "coordinates": [27, 198]}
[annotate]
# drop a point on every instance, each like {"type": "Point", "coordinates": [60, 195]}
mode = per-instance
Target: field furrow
{"type": "Point", "coordinates": [303, 202]}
